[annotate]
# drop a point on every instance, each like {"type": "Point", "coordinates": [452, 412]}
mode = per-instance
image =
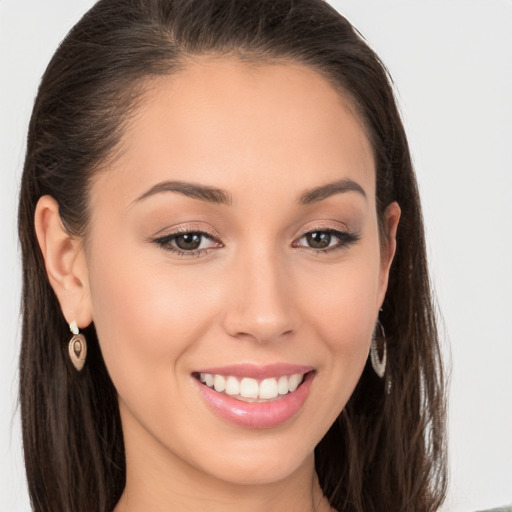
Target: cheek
{"type": "Point", "coordinates": [343, 305]}
{"type": "Point", "coordinates": [342, 308]}
{"type": "Point", "coordinates": [145, 317]}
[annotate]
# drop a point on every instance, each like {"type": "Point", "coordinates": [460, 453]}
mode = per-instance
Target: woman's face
{"type": "Point", "coordinates": [235, 241]}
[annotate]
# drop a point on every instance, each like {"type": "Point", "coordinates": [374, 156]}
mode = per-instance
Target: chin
{"type": "Point", "coordinates": [261, 466]}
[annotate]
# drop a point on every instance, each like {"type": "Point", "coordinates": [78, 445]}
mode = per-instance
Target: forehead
{"type": "Point", "coordinates": [226, 123]}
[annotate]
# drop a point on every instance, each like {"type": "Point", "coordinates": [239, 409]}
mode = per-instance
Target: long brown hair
{"type": "Point", "coordinates": [386, 450]}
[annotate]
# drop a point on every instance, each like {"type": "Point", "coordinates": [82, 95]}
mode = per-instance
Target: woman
{"type": "Point", "coordinates": [218, 201]}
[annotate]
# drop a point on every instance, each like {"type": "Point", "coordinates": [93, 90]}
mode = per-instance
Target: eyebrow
{"type": "Point", "coordinates": [193, 190]}
{"type": "Point", "coordinates": [318, 194]}
{"type": "Point", "coordinates": [218, 196]}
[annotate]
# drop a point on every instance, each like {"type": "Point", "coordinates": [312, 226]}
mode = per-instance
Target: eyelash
{"type": "Point", "coordinates": [165, 242]}
{"type": "Point", "coordinates": [345, 239]}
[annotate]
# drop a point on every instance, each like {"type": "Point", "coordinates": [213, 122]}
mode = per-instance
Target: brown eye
{"type": "Point", "coordinates": [188, 241]}
{"type": "Point", "coordinates": [326, 240]}
{"type": "Point", "coordinates": [318, 239]}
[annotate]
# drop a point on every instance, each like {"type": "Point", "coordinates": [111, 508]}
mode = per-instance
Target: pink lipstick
{"type": "Point", "coordinates": [255, 396]}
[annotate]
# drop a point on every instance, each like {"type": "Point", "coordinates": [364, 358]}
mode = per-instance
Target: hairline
{"type": "Point", "coordinates": [139, 89]}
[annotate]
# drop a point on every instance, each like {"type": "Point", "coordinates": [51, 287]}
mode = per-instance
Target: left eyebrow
{"type": "Point", "coordinates": [322, 192]}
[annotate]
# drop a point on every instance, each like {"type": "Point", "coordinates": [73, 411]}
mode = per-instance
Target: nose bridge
{"type": "Point", "coordinates": [261, 306]}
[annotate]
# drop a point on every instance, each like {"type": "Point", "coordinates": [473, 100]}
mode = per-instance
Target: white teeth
{"type": "Point", "coordinates": [269, 389]}
{"type": "Point", "coordinates": [232, 386]}
{"type": "Point", "coordinates": [208, 379]}
{"type": "Point", "coordinates": [249, 388]}
{"type": "Point", "coordinates": [282, 385]}
{"type": "Point", "coordinates": [219, 383]}
{"type": "Point", "coordinates": [294, 382]}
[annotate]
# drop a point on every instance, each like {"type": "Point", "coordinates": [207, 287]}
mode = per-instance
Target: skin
{"type": "Point", "coordinates": [258, 293]}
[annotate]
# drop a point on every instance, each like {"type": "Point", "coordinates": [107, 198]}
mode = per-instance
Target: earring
{"type": "Point", "coordinates": [77, 347]}
{"type": "Point", "coordinates": [378, 364]}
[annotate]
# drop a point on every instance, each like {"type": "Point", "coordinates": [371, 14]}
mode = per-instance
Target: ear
{"type": "Point", "coordinates": [65, 262]}
{"type": "Point", "coordinates": [388, 247]}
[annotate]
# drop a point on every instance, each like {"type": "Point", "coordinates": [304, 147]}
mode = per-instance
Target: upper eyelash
{"type": "Point", "coordinates": [345, 238]}
{"type": "Point", "coordinates": [164, 241]}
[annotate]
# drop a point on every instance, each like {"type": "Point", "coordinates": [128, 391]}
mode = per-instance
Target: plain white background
{"type": "Point", "coordinates": [451, 62]}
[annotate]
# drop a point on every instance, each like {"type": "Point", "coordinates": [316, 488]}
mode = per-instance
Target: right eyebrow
{"type": "Point", "coordinates": [193, 190]}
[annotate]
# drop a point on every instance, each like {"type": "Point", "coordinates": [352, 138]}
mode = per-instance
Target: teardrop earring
{"type": "Point", "coordinates": [77, 347]}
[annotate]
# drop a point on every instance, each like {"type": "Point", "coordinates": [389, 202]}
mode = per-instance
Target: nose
{"type": "Point", "coordinates": [261, 305]}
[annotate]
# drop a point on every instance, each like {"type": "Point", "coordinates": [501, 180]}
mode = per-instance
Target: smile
{"type": "Point", "coordinates": [255, 397]}
{"type": "Point", "coordinates": [252, 390]}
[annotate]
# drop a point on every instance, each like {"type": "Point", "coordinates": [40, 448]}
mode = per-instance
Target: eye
{"type": "Point", "coordinates": [319, 239]}
{"type": "Point", "coordinates": [326, 240]}
{"type": "Point", "coordinates": [188, 243]}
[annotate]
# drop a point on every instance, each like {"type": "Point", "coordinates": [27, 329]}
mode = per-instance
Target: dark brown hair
{"type": "Point", "coordinates": [386, 451]}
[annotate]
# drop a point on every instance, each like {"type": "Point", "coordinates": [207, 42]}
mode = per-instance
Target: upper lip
{"type": "Point", "coordinates": [256, 371]}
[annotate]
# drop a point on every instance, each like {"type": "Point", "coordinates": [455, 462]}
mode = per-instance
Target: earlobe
{"type": "Point", "coordinates": [64, 261]}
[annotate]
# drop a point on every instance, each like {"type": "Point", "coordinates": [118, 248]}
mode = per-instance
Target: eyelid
{"type": "Point", "coordinates": [341, 228]}
{"type": "Point", "coordinates": [189, 227]}
{"type": "Point", "coordinates": [346, 237]}
{"type": "Point", "coordinates": [164, 240]}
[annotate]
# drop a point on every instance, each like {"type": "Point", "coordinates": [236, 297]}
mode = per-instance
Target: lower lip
{"type": "Point", "coordinates": [257, 415]}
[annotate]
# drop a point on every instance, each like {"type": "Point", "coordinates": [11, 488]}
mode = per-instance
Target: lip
{"type": "Point", "coordinates": [255, 371]}
{"type": "Point", "coordinates": [257, 415]}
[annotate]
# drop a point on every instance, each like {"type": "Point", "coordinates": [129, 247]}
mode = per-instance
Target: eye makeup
{"type": "Point", "coordinates": [188, 242]}
{"type": "Point", "coordinates": [327, 239]}
{"type": "Point", "coordinates": [192, 242]}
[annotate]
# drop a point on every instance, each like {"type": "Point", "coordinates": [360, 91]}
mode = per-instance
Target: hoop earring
{"type": "Point", "coordinates": [378, 364]}
{"type": "Point", "coordinates": [77, 347]}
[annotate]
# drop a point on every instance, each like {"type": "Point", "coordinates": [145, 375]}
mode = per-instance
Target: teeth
{"type": "Point", "coordinates": [248, 388]}
{"type": "Point", "coordinates": [294, 382]}
{"type": "Point", "coordinates": [282, 385]}
{"type": "Point", "coordinates": [269, 389]}
{"type": "Point", "coordinates": [219, 383]}
{"type": "Point", "coordinates": [232, 386]}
